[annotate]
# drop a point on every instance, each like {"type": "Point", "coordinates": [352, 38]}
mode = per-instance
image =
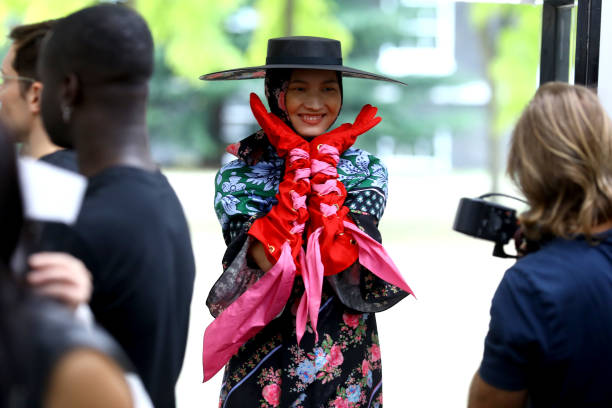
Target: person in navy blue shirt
{"type": "Point", "coordinates": [550, 337]}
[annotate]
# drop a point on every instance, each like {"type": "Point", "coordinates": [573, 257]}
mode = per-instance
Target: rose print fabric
{"type": "Point", "coordinates": [342, 369]}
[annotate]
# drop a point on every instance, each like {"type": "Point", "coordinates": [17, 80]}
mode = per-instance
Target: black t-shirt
{"type": "Point", "coordinates": [133, 236]}
{"type": "Point", "coordinates": [64, 158]}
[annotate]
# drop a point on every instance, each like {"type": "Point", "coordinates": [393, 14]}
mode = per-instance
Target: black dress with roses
{"type": "Point", "coordinates": [342, 369]}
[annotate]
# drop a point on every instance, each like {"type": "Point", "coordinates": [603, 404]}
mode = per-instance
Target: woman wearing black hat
{"type": "Point", "coordinates": [301, 202]}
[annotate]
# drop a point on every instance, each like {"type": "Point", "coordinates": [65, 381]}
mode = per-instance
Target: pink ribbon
{"type": "Point", "coordinates": [327, 187]}
{"type": "Point", "coordinates": [373, 256]}
{"type": "Point", "coordinates": [302, 174]}
{"type": "Point", "coordinates": [328, 210]}
{"type": "Point", "coordinates": [330, 151]}
{"type": "Point", "coordinates": [299, 201]}
{"type": "Point", "coordinates": [312, 274]}
{"type": "Point", "coordinates": [318, 166]}
{"type": "Point", "coordinates": [297, 228]}
{"type": "Point", "coordinates": [297, 153]}
{"type": "Point", "coordinates": [248, 314]}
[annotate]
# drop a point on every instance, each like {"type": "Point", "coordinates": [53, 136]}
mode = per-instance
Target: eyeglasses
{"type": "Point", "coordinates": [5, 78]}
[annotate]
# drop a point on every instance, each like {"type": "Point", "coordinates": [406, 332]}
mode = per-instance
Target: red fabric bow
{"type": "Point", "coordinates": [338, 249]}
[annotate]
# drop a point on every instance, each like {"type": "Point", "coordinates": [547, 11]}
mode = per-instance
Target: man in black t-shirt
{"type": "Point", "coordinates": [131, 232]}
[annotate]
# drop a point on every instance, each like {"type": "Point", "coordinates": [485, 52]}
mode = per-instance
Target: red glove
{"type": "Point", "coordinates": [285, 221]}
{"type": "Point", "coordinates": [326, 200]}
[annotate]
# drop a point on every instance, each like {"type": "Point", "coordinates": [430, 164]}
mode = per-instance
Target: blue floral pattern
{"type": "Point", "coordinates": [250, 190]}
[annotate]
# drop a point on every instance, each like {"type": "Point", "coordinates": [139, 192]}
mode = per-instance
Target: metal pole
{"type": "Point", "coordinates": [587, 42]}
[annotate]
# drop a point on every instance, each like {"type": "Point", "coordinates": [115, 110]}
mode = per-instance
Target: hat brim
{"type": "Point", "coordinates": [260, 72]}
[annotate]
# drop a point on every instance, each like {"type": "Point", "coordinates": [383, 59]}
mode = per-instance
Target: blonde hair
{"type": "Point", "coordinates": [561, 159]}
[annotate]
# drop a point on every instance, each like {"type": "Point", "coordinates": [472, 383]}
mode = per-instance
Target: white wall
{"type": "Point", "coordinates": [605, 57]}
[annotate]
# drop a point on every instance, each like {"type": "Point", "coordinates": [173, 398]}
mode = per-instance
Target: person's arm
{"type": "Point", "coordinates": [60, 276]}
{"type": "Point", "coordinates": [517, 338]}
{"type": "Point", "coordinates": [258, 255]}
{"type": "Point", "coordinates": [87, 379]}
{"type": "Point", "coordinates": [483, 395]}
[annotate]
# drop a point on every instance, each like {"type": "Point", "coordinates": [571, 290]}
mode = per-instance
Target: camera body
{"type": "Point", "coordinates": [486, 220]}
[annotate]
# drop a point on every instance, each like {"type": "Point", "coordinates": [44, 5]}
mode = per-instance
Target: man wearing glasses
{"type": "Point", "coordinates": [20, 90]}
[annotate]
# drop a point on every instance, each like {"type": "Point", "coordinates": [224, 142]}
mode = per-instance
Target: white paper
{"type": "Point", "coordinates": [140, 398]}
{"type": "Point", "coordinates": [50, 193]}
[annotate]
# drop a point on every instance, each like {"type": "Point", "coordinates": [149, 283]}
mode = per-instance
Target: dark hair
{"type": "Point", "coordinates": [27, 40]}
{"type": "Point", "coordinates": [11, 213]}
{"type": "Point", "coordinates": [101, 44]}
{"type": "Point", "coordinates": [14, 364]}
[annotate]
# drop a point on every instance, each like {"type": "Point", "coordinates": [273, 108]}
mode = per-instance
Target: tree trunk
{"type": "Point", "coordinates": [489, 35]}
{"type": "Point", "coordinates": [493, 141]}
{"type": "Point", "coordinates": [289, 12]}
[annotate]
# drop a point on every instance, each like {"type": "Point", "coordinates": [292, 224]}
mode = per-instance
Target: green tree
{"type": "Point", "coordinates": [409, 117]}
{"type": "Point", "coordinates": [280, 18]}
{"type": "Point", "coordinates": [191, 32]}
{"type": "Point", "coordinates": [510, 39]}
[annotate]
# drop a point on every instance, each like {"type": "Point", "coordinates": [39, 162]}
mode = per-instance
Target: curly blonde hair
{"type": "Point", "coordinates": [561, 159]}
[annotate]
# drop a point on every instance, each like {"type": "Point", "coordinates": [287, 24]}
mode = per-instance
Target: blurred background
{"type": "Point", "coordinates": [470, 68]}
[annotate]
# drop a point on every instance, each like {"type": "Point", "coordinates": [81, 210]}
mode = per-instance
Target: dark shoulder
{"type": "Point", "coordinates": [124, 192]}
{"type": "Point", "coordinates": [123, 204]}
{"type": "Point", "coordinates": [56, 331]}
{"type": "Point", "coordinates": [64, 158]}
{"type": "Point", "coordinates": [562, 267]}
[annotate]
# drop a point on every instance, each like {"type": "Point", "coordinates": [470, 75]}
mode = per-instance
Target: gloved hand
{"type": "Point", "coordinates": [326, 200]}
{"type": "Point", "coordinates": [286, 220]}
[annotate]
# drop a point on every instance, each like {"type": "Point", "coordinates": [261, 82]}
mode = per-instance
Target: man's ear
{"type": "Point", "coordinates": [33, 96]}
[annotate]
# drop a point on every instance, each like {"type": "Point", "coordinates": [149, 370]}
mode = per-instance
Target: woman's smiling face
{"type": "Point", "coordinates": [313, 101]}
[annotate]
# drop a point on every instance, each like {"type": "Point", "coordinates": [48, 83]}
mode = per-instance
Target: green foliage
{"type": "Point", "coordinates": [13, 12]}
{"type": "Point", "coordinates": [310, 17]}
{"type": "Point", "coordinates": [192, 38]}
{"type": "Point", "coordinates": [515, 55]}
{"type": "Point", "coordinates": [193, 34]}
{"type": "Point", "coordinates": [407, 114]}
{"type": "Point", "coordinates": [182, 118]}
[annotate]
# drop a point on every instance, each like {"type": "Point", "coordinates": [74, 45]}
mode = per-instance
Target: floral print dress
{"type": "Point", "coordinates": [343, 369]}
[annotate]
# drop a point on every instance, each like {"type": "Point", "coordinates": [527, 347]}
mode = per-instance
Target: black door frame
{"type": "Point", "coordinates": [556, 34]}
{"type": "Point", "coordinates": [587, 42]}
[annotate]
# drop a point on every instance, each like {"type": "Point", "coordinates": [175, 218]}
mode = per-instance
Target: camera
{"type": "Point", "coordinates": [487, 220]}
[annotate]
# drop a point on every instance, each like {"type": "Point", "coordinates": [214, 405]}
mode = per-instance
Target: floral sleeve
{"type": "Point", "coordinates": [242, 194]}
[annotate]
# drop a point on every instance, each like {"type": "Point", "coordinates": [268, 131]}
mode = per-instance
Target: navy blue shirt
{"type": "Point", "coordinates": [551, 326]}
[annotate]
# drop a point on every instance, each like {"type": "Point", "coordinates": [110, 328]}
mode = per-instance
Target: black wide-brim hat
{"type": "Point", "coordinates": [299, 52]}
